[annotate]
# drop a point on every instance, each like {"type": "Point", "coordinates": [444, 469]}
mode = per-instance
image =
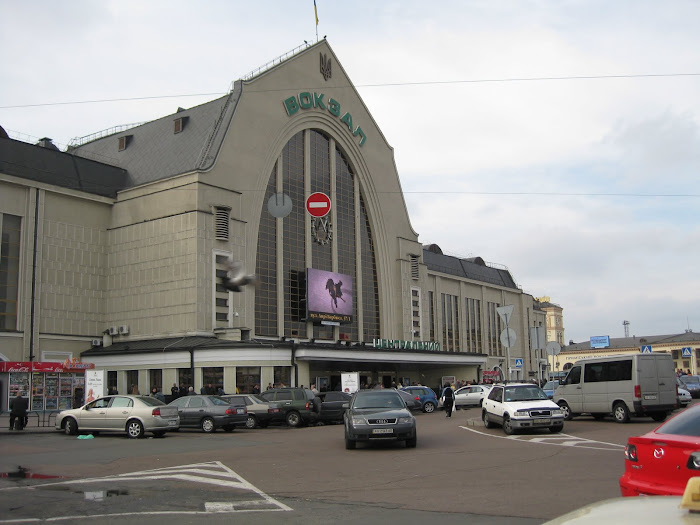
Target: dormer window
{"type": "Point", "coordinates": [179, 124]}
{"type": "Point", "coordinates": [124, 142]}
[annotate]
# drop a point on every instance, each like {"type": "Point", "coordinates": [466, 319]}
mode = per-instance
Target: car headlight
{"type": "Point", "coordinates": [405, 420]}
{"type": "Point", "coordinates": [557, 412]}
{"type": "Point", "coordinates": [522, 413]}
{"type": "Point", "coordinates": [359, 420]}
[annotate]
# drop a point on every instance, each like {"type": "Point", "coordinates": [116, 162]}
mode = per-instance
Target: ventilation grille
{"type": "Point", "coordinates": [222, 215]}
{"type": "Point", "coordinates": [415, 274]}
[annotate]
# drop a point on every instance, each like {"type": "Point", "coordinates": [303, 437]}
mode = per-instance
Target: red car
{"type": "Point", "coordinates": [660, 462]}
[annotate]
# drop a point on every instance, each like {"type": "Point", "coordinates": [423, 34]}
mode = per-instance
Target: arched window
{"type": "Point", "coordinates": [329, 172]}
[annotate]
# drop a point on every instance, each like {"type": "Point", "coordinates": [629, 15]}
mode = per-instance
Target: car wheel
{"type": "Point", "coordinates": [134, 429]}
{"type": "Point", "coordinates": [508, 426]}
{"type": "Point", "coordinates": [411, 443]}
{"type": "Point", "coordinates": [208, 425]}
{"type": "Point", "coordinates": [659, 416]}
{"type": "Point", "coordinates": [70, 427]}
{"type": "Point", "coordinates": [556, 429]}
{"type": "Point", "coordinates": [251, 422]}
{"type": "Point", "coordinates": [567, 411]}
{"type": "Point", "coordinates": [294, 419]}
{"type": "Point", "coordinates": [429, 407]}
{"type": "Point", "coordinates": [485, 418]}
{"type": "Point", "coordinates": [159, 433]}
{"type": "Point", "coordinates": [350, 444]}
{"type": "Point", "coordinates": [621, 413]}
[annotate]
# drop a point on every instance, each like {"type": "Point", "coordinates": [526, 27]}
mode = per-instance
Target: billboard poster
{"type": "Point", "coordinates": [94, 384]}
{"type": "Point", "coordinates": [329, 296]}
{"type": "Point", "coordinates": [350, 382]}
{"type": "Point", "coordinates": [600, 341]}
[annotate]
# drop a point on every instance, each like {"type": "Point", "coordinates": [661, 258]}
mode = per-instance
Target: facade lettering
{"type": "Point", "coordinates": [307, 100]}
{"type": "Point", "coordinates": [406, 345]}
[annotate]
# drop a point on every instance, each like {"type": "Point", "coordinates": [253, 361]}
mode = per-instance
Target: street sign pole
{"type": "Point", "coordinates": [505, 312]}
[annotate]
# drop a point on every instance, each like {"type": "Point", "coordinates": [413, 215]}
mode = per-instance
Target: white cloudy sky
{"type": "Point", "coordinates": [587, 189]}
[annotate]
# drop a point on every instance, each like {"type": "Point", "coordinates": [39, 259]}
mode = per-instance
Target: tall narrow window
{"type": "Point", "coordinates": [9, 270]}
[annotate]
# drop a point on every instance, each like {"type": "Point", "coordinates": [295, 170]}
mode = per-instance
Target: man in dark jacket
{"type": "Point", "coordinates": [448, 396]}
{"type": "Point", "coordinates": [18, 410]}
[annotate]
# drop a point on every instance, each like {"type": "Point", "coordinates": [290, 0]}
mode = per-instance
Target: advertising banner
{"type": "Point", "coordinates": [94, 384]}
{"type": "Point", "coordinates": [350, 382]}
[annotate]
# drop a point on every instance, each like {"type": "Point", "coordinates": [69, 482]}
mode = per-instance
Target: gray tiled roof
{"type": "Point", "coordinates": [467, 268]}
{"type": "Point", "coordinates": [50, 166]}
{"type": "Point", "coordinates": [156, 152]}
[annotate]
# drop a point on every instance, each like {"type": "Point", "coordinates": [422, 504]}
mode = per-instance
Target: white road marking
{"type": "Point", "coordinates": [561, 440]}
{"type": "Point", "coordinates": [211, 473]}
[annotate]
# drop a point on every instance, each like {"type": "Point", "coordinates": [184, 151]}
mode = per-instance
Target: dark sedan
{"type": "Point", "coordinates": [261, 412]}
{"type": "Point", "coordinates": [209, 413]}
{"type": "Point", "coordinates": [379, 415]}
{"type": "Point", "coordinates": [332, 409]}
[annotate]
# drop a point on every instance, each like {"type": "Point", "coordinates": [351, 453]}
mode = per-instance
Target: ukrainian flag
{"type": "Point", "coordinates": [316, 12]}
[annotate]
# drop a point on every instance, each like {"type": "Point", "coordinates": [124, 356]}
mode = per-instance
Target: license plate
{"type": "Point", "coordinates": [383, 431]}
{"type": "Point", "coordinates": [542, 421]}
{"type": "Point", "coordinates": [649, 396]}
{"type": "Point", "coordinates": [172, 423]}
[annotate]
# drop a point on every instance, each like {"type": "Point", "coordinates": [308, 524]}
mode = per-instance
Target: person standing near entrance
{"type": "Point", "coordinates": [18, 411]}
{"type": "Point", "coordinates": [448, 399]}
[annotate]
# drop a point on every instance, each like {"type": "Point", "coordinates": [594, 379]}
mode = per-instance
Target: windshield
{"type": "Point", "coordinates": [378, 401]}
{"type": "Point", "coordinates": [525, 393]}
{"type": "Point", "coordinates": [690, 379]}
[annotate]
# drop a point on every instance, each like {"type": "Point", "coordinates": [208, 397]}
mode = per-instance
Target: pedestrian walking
{"type": "Point", "coordinates": [18, 412]}
{"type": "Point", "coordinates": [448, 398]}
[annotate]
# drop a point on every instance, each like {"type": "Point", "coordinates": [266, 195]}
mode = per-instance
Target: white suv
{"type": "Point", "coordinates": [521, 405]}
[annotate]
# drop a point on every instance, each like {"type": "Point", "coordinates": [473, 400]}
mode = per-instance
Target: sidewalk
{"type": "Point", "coordinates": [39, 423]}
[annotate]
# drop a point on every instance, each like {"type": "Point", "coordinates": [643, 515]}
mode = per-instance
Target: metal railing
{"type": "Point", "coordinates": [274, 62]}
{"type": "Point", "coordinates": [79, 141]}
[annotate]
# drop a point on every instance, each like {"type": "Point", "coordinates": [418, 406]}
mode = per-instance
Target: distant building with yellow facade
{"type": "Point", "coordinates": [685, 349]}
{"type": "Point", "coordinates": [554, 319]}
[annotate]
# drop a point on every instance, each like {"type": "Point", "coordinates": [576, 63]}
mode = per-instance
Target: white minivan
{"type": "Point", "coordinates": [639, 385]}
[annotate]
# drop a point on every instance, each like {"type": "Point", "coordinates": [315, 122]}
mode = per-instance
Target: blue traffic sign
{"type": "Point", "coordinates": [646, 349]}
{"type": "Point", "coordinates": [518, 363]}
{"type": "Point", "coordinates": [687, 352]}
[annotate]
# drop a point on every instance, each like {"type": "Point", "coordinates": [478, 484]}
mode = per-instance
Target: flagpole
{"type": "Point", "coordinates": [316, 16]}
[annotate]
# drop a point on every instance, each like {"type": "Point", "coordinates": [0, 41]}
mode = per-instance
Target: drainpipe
{"type": "Point", "coordinates": [33, 294]}
{"type": "Point", "coordinates": [294, 363]}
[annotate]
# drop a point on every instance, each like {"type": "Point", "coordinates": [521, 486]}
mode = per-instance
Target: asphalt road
{"type": "Point", "coordinates": [459, 471]}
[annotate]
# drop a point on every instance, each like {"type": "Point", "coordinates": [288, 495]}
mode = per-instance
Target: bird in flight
{"type": "Point", "coordinates": [236, 278]}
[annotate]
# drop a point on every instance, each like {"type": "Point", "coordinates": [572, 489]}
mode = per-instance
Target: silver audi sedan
{"type": "Point", "coordinates": [134, 415]}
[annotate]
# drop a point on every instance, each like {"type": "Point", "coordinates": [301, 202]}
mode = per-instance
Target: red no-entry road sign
{"type": "Point", "coordinates": [318, 204]}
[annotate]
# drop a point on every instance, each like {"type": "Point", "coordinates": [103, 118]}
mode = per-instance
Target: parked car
{"type": "Point", "coordinates": [299, 405]}
{"type": "Point", "coordinates": [662, 461]}
{"type": "Point", "coordinates": [261, 412]}
{"type": "Point", "coordinates": [471, 395]}
{"type": "Point", "coordinates": [374, 415]}
{"type": "Point", "coordinates": [517, 406]}
{"type": "Point", "coordinates": [412, 401]}
{"type": "Point", "coordinates": [549, 388]}
{"type": "Point", "coordinates": [621, 385]}
{"type": "Point", "coordinates": [691, 384]}
{"type": "Point", "coordinates": [209, 413]}
{"type": "Point", "coordinates": [684, 397]}
{"type": "Point", "coordinates": [669, 510]}
{"type": "Point", "coordinates": [134, 415]}
{"type": "Point", "coordinates": [426, 396]}
{"type": "Point", "coordinates": [333, 406]}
